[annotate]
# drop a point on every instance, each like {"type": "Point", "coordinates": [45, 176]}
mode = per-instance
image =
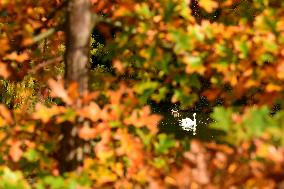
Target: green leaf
{"type": "Point", "coordinates": [164, 144]}
{"type": "Point", "coordinates": [194, 81]}
{"type": "Point", "coordinates": [160, 163]}
{"type": "Point", "coordinates": [222, 119]}
{"type": "Point", "coordinates": [257, 121]}
{"type": "Point", "coordinates": [31, 155]}
{"type": "Point", "coordinates": [183, 41]}
{"type": "Point", "coordinates": [244, 49]}
{"type": "Point", "coordinates": [194, 61]}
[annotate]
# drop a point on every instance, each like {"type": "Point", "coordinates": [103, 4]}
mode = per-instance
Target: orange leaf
{"type": "Point", "coordinates": [144, 118]}
{"type": "Point", "coordinates": [4, 44]}
{"type": "Point", "coordinates": [92, 112]}
{"type": "Point", "coordinates": [6, 114]}
{"type": "Point", "coordinates": [17, 57]}
{"type": "Point", "coordinates": [58, 90]}
{"type": "Point", "coordinates": [15, 151]}
{"type": "Point", "coordinates": [211, 94]}
{"type": "Point", "coordinates": [87, 133]}
{"type": "Point", "coordinates": [118, 65]}
{"type": "Point", "coordinates": [73, 90]}
{"type": "Point", "coordinates": [4, 70]}
{"type": "Point", "coordinates": [280, 70]}
{"type": "Point", "coordinates": [87, 97]}
{"type": "Point", "coordinates": [271, 88]}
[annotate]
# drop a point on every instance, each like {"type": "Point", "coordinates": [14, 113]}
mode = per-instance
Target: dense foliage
{"type": "Point", "coordinates": [151, 52]}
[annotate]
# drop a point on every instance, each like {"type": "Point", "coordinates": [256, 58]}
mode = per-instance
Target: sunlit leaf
{"type": "Point", "coordinates": [208, 5]}
{"type": "Point", "coordinates": [4, 70]}
{"type": "Point", "coordinates": [15, 151]}
{"type": "Point", "coordinates": [57, 90]}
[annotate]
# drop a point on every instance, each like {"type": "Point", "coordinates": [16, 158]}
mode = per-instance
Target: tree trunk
{"type": "Point", "coordinates": [79, 27]}
{"type": "Point", "coordinates": [78, 31]}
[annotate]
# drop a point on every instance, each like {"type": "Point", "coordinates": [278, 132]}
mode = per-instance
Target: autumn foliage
{"type": "Point", "coordinates": [160, 52]}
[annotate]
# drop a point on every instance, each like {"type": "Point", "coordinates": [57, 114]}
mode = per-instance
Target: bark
{"type": "Point", "coordinates": [79, 27]}
{"type": "Point", "coordinates": [78, 31]}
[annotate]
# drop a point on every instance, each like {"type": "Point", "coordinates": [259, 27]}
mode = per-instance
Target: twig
{"type": "Point", "coordinates": [46, 63]}
{"type": "Point", "coordinates": [43, 35]}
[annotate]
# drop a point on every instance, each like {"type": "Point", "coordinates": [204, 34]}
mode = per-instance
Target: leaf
{"type": "Point", "coordinates": [280, 70]}
{"type": "Point", "coordinates": [222, 117]}
{"type": "Point", "coordinates": [72, 91]}
{"type": "Point", "coordinates": [91, 111]}
{"type": "Point", "coordinates": [130, 146]}
{"type": "Point", "coordinates": [87, 97]}
{"type": "Point", "coordinates": [87, 133]}
{"type": "Point", "coordinates": [193, 64]}
{"type": "Point", "coordinates": [272, 87]}
{"type": "Point", "coordinates": [31, 155]}
{"type": "Point", "coordinates": [4, 44]}
{"type": "Point", "coordinates": [117, 64]}
{"type": "Point", "coordinates": [208, 5]}
{"type": "Point", "coordinates": [44, 113]}
{"type": "Point", "coordinates": [256, 121]}
{"type": "Point", "coordinates": [164, 143]}
{"type": "Point", "coordinates": [15, 151]}
{"type": "Point", "coordinates": [143, 117]}
{"type": "Point", "coordinates": [6, 114]}
{"type": "Point", "coordinates": [4, 70]}
{"type": "Point", "coordinates": [12, 179]}
{"type": "Point", "coordinates": [18, 57]}
{"type": "Point", "coordinates": [57, 90]}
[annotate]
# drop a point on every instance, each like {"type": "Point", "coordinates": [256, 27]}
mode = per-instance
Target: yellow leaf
{"type": "Point", "coordinates": [271, 87]}
{"type": "Point", "coordinates": [208, 5]}
{"type": "Point", "coordinates": [44, 113]}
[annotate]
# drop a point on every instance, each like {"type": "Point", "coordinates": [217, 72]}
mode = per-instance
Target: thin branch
{"type": "Point", "coordinates": [43, 35]}
{"type": "Point", "coordinates": [46, 63]}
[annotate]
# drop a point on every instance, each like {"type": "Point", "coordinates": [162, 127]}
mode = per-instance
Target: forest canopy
{"type": "Point", "coordinates": [88, 88]}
